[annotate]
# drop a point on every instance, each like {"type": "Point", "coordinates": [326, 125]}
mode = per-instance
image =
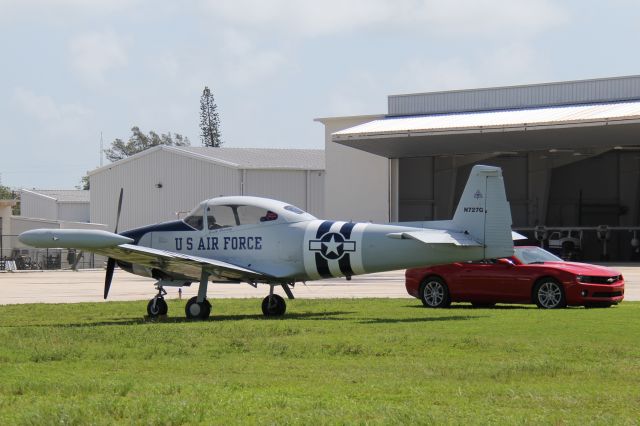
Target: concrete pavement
{"type": "Point", "coordinates": [87, 286]}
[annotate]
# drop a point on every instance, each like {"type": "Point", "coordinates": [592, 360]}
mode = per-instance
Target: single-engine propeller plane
{"type": "Point", "coordinates": [263, 241]}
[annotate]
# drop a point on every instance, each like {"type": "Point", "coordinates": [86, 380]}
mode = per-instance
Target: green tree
{"type": "Point", "coordinates": [6, 193]}
{"type": "Point", "coordinates": [84, 183]}
{"type": "Point", "coordinates": [209, 120]}
{"type": "Point", "coordinates": [138, 142]}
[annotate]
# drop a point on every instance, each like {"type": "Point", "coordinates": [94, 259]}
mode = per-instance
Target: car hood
{"type": "Point", "coordinates": [583, 268]}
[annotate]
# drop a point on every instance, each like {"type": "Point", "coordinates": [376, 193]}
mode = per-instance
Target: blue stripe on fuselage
{"type": "Point", "coordinates": [174, 225]}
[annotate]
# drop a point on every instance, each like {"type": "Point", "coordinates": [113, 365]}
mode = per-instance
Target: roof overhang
{"type": "Point", "coordinates": [567, 127]}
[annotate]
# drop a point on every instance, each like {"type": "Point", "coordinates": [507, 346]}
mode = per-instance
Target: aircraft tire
{"type": "Point", "coordinates": [274, 308]}
{"type": "Point", "coordinates": [434, 293]}
{"type": "Point", "coordinates": [161, 307]}
{"type": "Point", "coordinates": [195, 310]}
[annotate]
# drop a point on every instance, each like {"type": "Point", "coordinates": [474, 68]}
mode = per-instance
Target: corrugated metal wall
{"type": "Point", "coordinates": [74, 212]}
{"type": "Point", "coordinates": [315, 193]}
{"type": "Point", "coordinates": [563, 93]}
{"type": "Point", "coordinates": [286, 185]}
{"type": "Point", "coordinates": [184, 182]}
{"type": "Point", "coordinates": [156, 186]}
{"type": "Point", "coordinates": [32, 205]}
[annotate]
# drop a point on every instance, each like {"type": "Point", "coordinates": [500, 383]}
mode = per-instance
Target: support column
{"type": "Point", "coordinates": [629, 187]}
{"type": "Point", "coordinates": [539, 181]}
{"type": "Point", "coordinates": [444, 187]}
{"type": "Point", "coordinates": [394, 189]}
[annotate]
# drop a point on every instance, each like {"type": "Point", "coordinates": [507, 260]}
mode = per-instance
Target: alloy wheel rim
{"type": "Point", "coordinates": [549, 295]}
{"type": "Point", "coordinates": [433, 293]}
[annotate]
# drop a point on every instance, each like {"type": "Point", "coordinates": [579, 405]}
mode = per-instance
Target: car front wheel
{"type": "Point", "coordinates": [549, 294]}
{"type": "Point", "coordinates": [434, 293]}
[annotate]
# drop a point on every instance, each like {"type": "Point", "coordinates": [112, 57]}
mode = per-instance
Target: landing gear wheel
{"type": "Point", "coordinates": [434, 293]}
{"type": "Point", "coordinates": [549, 294]}
{"type": "Point", "coordinates": [156, 307]}
{"type": "Point", "coordinates": [273, 306]}
{"type": "Point", "coordinates": [195, 310]}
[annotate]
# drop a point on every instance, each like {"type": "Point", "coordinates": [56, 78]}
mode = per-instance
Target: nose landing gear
{"type": "Point", "coordinates": [158, 306]}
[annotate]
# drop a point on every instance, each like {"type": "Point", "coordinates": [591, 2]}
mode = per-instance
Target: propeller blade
{"type": "Point", "coordinates": [111, 264]}
{"type": "Point", "coordinates": [119, 209]}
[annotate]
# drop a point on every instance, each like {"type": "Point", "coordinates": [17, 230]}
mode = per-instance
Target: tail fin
{"type": "Point", "coordinates": [484, 212]}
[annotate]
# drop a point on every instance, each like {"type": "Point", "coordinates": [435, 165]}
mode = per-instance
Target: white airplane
{"type": "Point", "coordinates": [262, 241]}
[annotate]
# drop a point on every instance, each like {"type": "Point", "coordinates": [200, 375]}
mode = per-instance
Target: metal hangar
{"type": "Point", "coordinates": [166, 182]}
{"type": "Point", "coordinates": [570, 152]}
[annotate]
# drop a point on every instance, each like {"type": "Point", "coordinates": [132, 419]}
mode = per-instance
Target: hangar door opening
{"type": "Point", "coordinates": [429, 187]}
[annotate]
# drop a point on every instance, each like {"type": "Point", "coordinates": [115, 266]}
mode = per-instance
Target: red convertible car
{"type": "Point", "coordinates": [532, 275]}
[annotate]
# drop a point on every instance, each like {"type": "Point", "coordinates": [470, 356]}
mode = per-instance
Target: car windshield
{"type": "Point", "coordinates": [528, 255]}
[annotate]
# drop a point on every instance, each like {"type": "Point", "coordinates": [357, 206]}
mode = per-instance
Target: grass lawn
{"type": "Point", "coordinates": [375, 361]}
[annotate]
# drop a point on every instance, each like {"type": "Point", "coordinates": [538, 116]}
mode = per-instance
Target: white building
{"type": "Point", "coordinates": [66, 205]}
{"type": "Point", "coordinates": [165, 182]}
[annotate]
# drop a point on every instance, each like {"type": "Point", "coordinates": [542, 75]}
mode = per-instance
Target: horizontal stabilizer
{"type": "Point", "coordinates": [435, 236]}
{"type": "Point", "coordinates": [517, 236]}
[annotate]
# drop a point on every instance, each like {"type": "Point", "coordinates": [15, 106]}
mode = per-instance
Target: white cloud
{"type": "Point", "coordinates": [364, 92]}
{"type": "Point", "coordinates": [94, 54]}
{"type": "Point", "coordinates": [360, 92]}
{"type": "Point", "coordinates": [452, 17]}
{"type": "Point", "coordinates": [19, 7]}
{"type": "Point", "coordinates": [45, 110]}
{"type": "Point", "coordinates": [247, 63]}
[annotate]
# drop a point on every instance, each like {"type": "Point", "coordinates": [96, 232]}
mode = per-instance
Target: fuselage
{"type": "Point", "coordinates": [300, 251]}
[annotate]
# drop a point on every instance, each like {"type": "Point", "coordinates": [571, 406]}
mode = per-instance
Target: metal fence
{"type": "Point", "coordinates": [13, 258]}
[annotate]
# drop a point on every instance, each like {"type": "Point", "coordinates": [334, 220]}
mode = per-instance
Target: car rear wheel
{"type": "Point", "coordinates": [434, 293]}
{"type": "Point", "coordinates": [549, 294]}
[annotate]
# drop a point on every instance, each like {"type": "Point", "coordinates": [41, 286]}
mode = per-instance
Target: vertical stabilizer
{"type": "Point", "coordinates": [484, 211]}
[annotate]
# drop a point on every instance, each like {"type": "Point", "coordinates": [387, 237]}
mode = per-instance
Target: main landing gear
{"type": "Point", "coordinates": [274, 305]}
{"type": "Point", "coordinates": [199, 308]}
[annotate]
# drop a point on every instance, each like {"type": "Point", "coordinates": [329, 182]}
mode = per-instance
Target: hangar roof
{"type": "Point", "coordinates": [263, 158]}
{"type": "Point", "coordinates": [503, 130]}
{"type": "Point", "coordinates": [62, 195]}
{"type": "Point", "coordinates": [241, 158]}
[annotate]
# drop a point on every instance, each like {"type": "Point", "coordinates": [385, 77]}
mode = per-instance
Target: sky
{"type": "Point", "coordinates": [72, 70]}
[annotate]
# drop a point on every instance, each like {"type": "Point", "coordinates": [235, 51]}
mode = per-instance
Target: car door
{"type": "Point", "coordinates": [489, 281]}
{"type": "Point", "coordinates": [478, 281]}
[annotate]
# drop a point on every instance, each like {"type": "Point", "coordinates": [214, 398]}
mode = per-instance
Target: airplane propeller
{"type": "Point", "coordinates": [111, 263]}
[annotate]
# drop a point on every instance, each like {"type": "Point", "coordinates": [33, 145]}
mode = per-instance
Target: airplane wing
{"type": "Point", "coordinates": [118, 247]}
{"type": "Point", "coordinates": [183, 265]}
{"type": "Point", "coordinates": [437, 236]}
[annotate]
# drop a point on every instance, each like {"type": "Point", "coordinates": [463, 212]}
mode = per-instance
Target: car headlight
{"type": "Point", "coordinates": [583, 278]}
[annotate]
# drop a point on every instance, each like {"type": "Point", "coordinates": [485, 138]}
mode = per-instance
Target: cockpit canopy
{"type": "Point", "coordinates": [226, 212]}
